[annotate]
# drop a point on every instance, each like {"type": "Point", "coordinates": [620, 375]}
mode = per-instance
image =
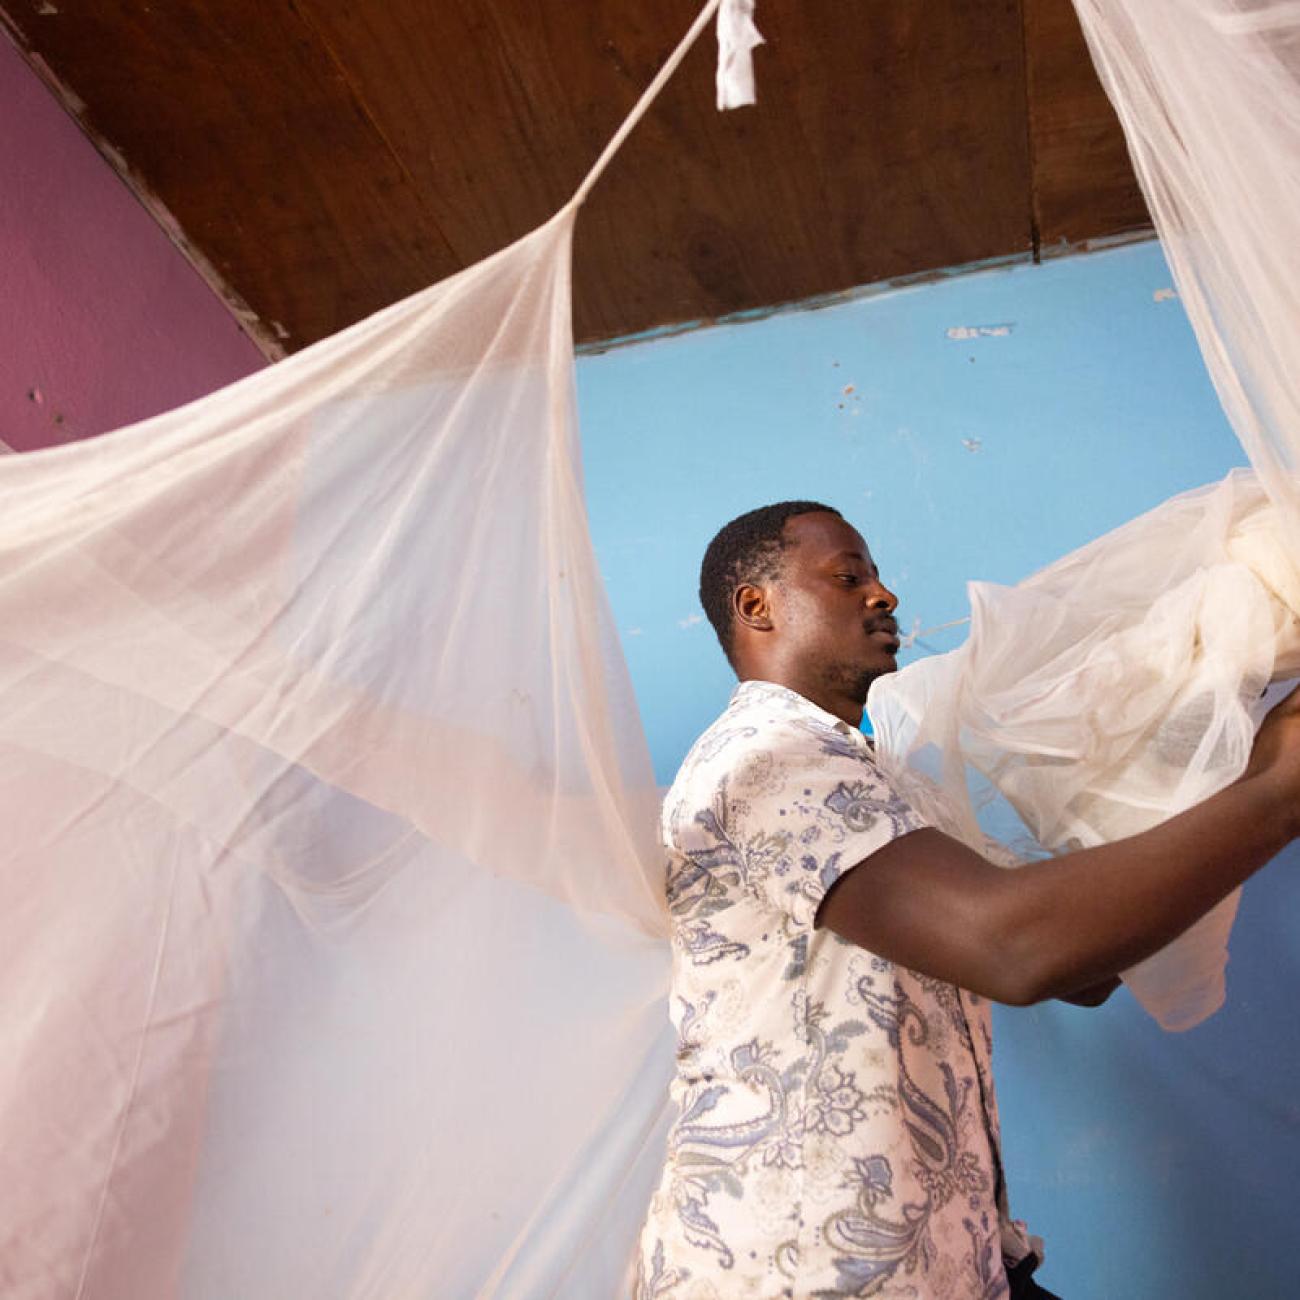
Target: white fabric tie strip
{"type": "Point", "coordinates": [737, 39]}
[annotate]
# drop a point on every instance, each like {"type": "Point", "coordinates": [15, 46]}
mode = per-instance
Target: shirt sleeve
{"type": "Point", "coordinates": [786, 819]}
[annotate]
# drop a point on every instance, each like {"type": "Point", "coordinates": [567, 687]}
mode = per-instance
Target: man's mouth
{"type": "Point", "coordinates": [887, 630]}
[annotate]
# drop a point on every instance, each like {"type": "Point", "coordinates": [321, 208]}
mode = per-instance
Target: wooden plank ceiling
{"type": "Point", "coordinates": [323, 158]}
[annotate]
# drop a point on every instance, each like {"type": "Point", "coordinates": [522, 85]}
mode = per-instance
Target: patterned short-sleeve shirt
{"type": "Point", "coordinates": [837, 1132]}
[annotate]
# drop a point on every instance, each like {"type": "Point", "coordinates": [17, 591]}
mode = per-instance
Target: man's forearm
{"type": "Point", "coordinates": [1053, 928]}
{"type": "Point", "coordinates": [1081, 918]}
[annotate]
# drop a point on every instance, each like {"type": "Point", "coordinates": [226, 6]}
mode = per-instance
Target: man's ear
{"type": "Point", "coordinates": [751, 607]}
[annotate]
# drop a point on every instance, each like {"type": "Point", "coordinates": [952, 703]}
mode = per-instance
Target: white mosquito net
{"type": "Point", "coordinates": [332, 937]}
{"type": "Point", "coordinates": [332, 959]}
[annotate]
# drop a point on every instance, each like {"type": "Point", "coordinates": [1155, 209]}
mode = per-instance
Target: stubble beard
{"type": "Point", "coordinates": [853, 680]}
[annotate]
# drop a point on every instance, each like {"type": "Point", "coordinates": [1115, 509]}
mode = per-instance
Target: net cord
{"type": "Point", "coordinates": [642, 106]}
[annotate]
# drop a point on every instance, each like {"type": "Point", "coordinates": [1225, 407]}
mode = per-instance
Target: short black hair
{"type": "Point", "coordinates": [748, 549]}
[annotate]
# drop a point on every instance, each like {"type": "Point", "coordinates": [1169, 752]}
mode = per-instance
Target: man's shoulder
{"type": "Point", "coordinates": [759, 735]}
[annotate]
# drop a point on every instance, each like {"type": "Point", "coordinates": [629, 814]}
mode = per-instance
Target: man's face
{"type": "Point", "coordinates": [831, 607]}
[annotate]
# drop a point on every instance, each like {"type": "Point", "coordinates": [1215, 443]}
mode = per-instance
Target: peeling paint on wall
{"type": "Point", "coordinates": [981, 331]}
{"type": "Point", "coordinates": [851, 401]}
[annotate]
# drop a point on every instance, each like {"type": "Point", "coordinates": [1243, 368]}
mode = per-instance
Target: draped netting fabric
{"type": "Point", "coordinates": [332, 937]}
{"type": "Point", "coordinates": [332, 956]}
{"type": "Point", "coordinates": [1123, 683]}
{"type": "Point", "coordinates": [332, 933]}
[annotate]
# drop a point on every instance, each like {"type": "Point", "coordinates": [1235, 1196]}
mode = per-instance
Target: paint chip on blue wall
{"type": "Point", "coordinates": [960, 332]}
{"type": "Point", "coordinates": [1164, 295]}
{"type": "Point", "coordinates": [690, 620]}
{"type": "Point", "coordinates": [851, 402]}
{"type": "Point", "coordinates": [972, 444]}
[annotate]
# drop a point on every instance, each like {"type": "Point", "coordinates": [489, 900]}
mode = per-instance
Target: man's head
{"type": "Point", "coordinates": [795, 598]}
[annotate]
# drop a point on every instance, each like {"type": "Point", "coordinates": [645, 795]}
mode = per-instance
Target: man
{"type": "Point", "coordinates": [834, 956]}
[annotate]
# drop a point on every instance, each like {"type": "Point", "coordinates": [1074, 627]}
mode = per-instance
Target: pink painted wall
{"type": "Point", "coordinates": [102, 320]}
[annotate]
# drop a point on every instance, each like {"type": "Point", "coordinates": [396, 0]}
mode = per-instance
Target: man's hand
{"type": "Point", "coordinates": [1275, 756]}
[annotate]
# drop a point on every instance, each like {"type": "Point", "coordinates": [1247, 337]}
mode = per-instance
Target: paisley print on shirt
{"type": "Point", "coordinates": [837, 1128]}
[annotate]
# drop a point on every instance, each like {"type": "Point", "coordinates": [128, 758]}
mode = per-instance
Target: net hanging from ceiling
{"type": "Point", "coordinates": [332, 938]}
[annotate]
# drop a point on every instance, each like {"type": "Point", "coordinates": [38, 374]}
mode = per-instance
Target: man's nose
{"type": "Point", "coordinates": [880, 597]}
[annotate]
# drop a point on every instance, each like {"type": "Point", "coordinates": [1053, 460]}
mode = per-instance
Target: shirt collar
{"type": "Point", "coordinates": [754, 689]}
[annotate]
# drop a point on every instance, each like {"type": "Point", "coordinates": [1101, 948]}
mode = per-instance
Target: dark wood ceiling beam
{"type": "Point", "coordinates": [1083, 183]}
{"type": "Point", "coordinates": [236, 117]}
{"type": "Point", "coordinates": [888, 139]}
{"type": "Point", "coordinates": [328, 158]}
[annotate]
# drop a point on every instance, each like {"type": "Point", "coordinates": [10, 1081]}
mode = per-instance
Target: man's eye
{"type": "Point", "coordinates": [849, 578]}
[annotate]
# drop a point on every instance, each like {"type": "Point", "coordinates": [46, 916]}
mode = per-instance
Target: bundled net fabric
{"type": "Point", "coordinates": [1117, 686]}
{"type": "Point", "coordinates": [332, 927]}
{"type": "Point", "coordinates": [1123, 683]}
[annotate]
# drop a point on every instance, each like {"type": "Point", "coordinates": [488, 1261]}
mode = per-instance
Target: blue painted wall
{"type": "Point", "coordinates": [979, 427]}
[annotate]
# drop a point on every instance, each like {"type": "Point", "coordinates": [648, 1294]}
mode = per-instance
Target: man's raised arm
{"type": "Point", "coordinates": [1065, 927]}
